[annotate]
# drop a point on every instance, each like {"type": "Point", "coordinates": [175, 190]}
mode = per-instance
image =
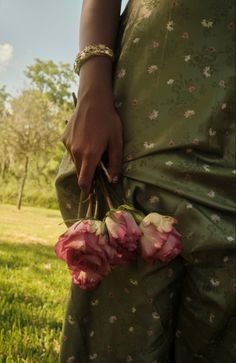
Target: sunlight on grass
{"type": "Point", "coordinates": [34, 285]}
{"type": "Point", "coordinates": [30, 223]}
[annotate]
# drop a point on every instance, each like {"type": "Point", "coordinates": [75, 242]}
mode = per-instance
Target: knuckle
{"type": "Point", "coordinates": [74, 150]}
{"type": "Point", "coordinates": [64, 140]}
{"type": "Point", "coordinates": [83, 183]}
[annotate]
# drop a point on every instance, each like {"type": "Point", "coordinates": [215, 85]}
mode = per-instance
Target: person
{"type": "Point", "coordinates": [163, 112]}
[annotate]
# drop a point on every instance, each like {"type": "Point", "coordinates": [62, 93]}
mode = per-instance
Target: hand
{"type": "Point", "coordinates": [94, 127]}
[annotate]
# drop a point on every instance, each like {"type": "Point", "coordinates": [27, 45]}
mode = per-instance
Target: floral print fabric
{"type": "Point", "coordinates": [174, 87]}
{"type": "Point", "coordinates": [174, 90]}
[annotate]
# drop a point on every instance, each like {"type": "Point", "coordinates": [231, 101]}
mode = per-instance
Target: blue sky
{"type": "Point", "coordinates": [29, 29]}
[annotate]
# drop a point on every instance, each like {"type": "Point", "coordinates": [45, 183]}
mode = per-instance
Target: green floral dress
{"type": "Point", "coordinates": [174, 91]}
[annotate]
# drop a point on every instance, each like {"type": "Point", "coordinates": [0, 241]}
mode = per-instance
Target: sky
{"type": "Point", "coordinates": [29, 29]}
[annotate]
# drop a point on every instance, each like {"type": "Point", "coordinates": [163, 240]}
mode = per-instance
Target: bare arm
{"type": "Point", "coordinates": [99, 23]}
{"type": "Point", "coordinates": [95, 125]}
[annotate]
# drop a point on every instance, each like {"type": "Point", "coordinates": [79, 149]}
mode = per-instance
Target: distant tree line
{"type": "Point", "coordinates": [30, 128]}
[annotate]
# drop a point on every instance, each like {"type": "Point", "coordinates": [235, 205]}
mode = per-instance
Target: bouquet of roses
{"type": "Point", "coordinates": [91, 247]}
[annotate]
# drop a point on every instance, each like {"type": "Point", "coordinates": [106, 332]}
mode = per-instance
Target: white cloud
{"type": "Point", "coordinates": [6, 52]}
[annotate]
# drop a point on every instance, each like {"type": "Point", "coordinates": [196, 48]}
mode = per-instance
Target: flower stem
{"type": "Point", "coordinates": [90, 209]}
{"type": "Point", "coordinates": [95, 214]}
{"type": "Point", "coordinates": [102, 166]}
{"type": "Point", "coordinates": [104, 189]}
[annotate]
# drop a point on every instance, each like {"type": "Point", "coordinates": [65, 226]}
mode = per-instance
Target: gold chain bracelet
{"type": "Point", "coordinates": [91, 50]}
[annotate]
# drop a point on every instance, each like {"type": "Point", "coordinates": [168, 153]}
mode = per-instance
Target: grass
{"type": "Point", "coordinates": [33, 285]}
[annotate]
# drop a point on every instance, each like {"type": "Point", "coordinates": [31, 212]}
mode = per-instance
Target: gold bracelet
{"type": "Point", "coordinates": [91, 50]}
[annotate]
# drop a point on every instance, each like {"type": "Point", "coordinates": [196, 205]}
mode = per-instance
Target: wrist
{"type": "Point", "coordinates": [96, 96]}
{"type": "Point", "coordinates": [97, 71]}
{"type": "Point", "coordinates": [96, 80]}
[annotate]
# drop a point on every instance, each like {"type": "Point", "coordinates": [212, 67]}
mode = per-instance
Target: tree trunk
{"type": "Point", "coordinates": [22, 184]}
{"type": "Point", "coordinates": [4, 170]}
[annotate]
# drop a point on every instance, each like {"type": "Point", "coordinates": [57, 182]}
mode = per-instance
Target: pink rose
{"type": "Point", "coordinates": [171, 248]}
{"type": "Point", "coordinates": [86, 280]}
{"type": "Point", "coordinates": [84, 247]}
{"type": "Point", "coordinates": [123, 232]}
{"type": "Point", "coordinates": [160, 240]}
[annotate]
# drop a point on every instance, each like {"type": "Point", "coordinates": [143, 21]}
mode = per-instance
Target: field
{"type": "Point", "coordinates": [33, 285]}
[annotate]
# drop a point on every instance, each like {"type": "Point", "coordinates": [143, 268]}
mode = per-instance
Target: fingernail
{"type": "Point", "coordinates": [115, 179]}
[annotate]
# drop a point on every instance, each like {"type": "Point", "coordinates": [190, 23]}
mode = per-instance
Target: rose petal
{"type": "Point", "coordinates": [86, 280]}
{"type": "Point", "coordinates": [171, 248]}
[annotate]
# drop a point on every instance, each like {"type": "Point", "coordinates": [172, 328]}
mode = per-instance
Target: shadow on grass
{"type": "Point", "coordinates": [24, 252]}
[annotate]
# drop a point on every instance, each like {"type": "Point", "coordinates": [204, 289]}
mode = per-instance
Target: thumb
{"type": "Point", "coordinates": [115, 153]}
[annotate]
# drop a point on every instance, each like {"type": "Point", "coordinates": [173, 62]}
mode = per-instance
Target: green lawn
{"type": "Point", "coordinates": [33, 285]}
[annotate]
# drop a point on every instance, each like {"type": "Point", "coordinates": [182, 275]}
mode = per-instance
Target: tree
{"type": "Point", "coordinates": [3, 99]}
{"type": "Point", "coordinates": [32, 132]}
{"type": "Point", "coordinates": [54, 80]}
{"type": "Point", "coordinates": [4, 147]}
{"type": "Point", "coordinates": [30, 125]}
{"type": "Point", "coordinates": [4, 160]}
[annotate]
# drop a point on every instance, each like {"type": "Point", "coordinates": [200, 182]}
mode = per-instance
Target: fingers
{"type": "Point", "coordinates": [86, 142]}
{"type": "Point", "coordinates": [115, 159]}
{"type": "Point", "coordinates": [86, 173]}
{"type": "Point", "coordinates": [85, 165]}
{"type": "Point", "coordinates": [77, 162]}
